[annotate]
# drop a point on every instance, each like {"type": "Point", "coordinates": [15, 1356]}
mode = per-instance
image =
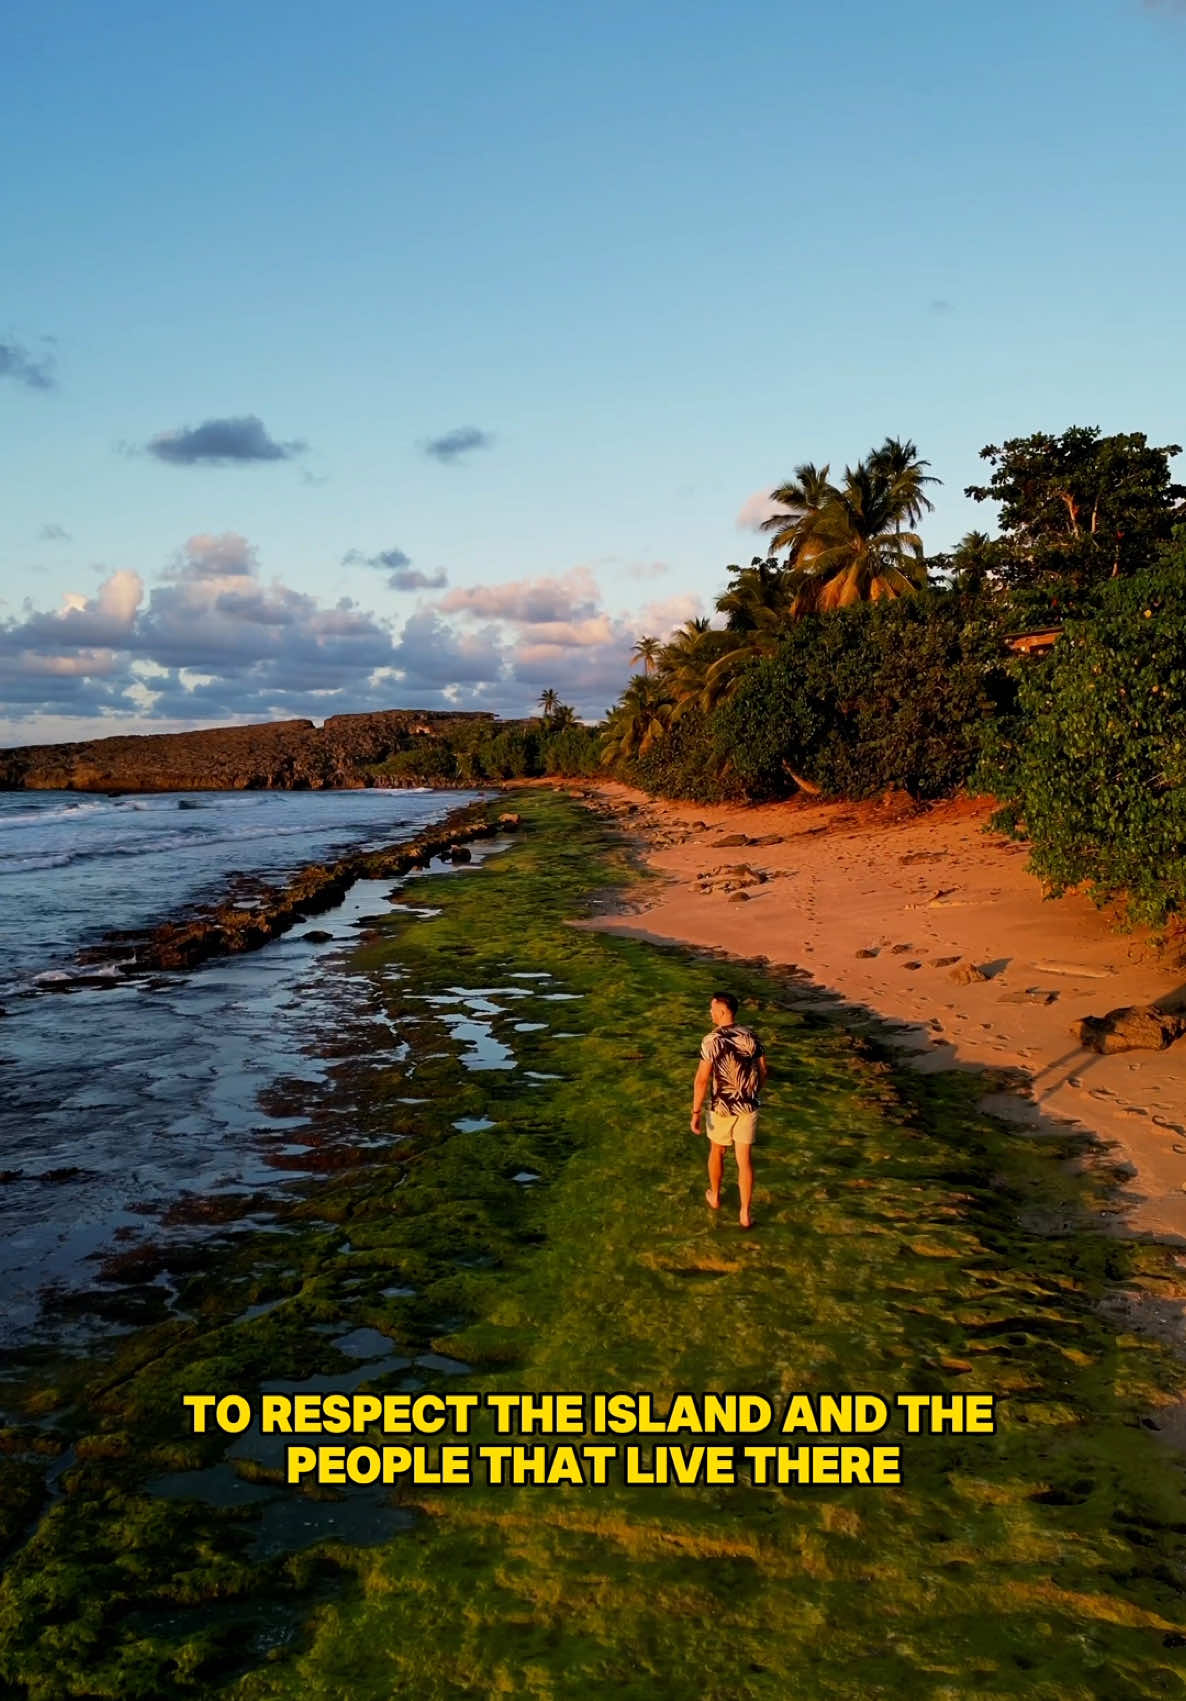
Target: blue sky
{"type": "Point", "coordinates": [647, 257]}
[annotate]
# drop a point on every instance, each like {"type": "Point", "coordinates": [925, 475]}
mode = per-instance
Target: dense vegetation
{"type": "Point", "coordinates": [849, 662]}
{"type": "Point", "coordinates": [485, 752]}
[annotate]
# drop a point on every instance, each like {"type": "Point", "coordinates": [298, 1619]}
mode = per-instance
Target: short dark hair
{"type": "Point", "coordinates": [728, 1000]}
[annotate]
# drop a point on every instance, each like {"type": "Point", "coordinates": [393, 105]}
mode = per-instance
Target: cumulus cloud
{"type": "Point", "coordinates": [462, 440]}
{"type": "Point", "coordinates": [574, 595]}
{"type": "Point", "coordinates": [204, 556]}
{"type": "Point", "coordinates": [561, 635]}
{"type": "Point", "coordinates": [222, 443]}
{"type": "Point", "coordinates": [402, 576]}
{"type": "Point", "coordinates": [51, 533]}
{"type": "Point", "coordinates": [756, 508]}
{"type": "Point", "coordinates": [412, 579]}
{"type": "Point", "coordinates": [211, 639]}
{"type": "Point", "coordinates": [24, 368]}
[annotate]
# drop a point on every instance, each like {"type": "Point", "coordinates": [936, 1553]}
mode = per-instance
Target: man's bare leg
{"type": "Point", "coordinates": [745, 1180]}
{"type": "Point", "coordinates": [716, 1168]}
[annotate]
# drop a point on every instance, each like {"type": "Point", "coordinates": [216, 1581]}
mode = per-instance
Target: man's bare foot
{"type": "Point", "coordinates": [746, 1221]}
{"type": "Point", "coordinates": [712, 1199]}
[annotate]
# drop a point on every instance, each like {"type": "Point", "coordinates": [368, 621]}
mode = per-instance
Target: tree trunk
{"type": "Point", "coordinates": [808, 786]}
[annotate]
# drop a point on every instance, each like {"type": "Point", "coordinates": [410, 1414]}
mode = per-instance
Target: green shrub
{"type": "Point", "coordinates": [1098, 768]}
{"type": "Point", "coordinates": [861, 699]}
{"type": "Point", "coordinates": [572, 751]}
{"type": "Point", "coordinates": [685, 763]}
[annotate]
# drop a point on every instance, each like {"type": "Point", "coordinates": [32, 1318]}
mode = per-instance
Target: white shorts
{"type": "Point", "coordinates": [737, 1129]}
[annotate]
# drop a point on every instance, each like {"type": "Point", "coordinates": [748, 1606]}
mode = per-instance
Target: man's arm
{"type": "Point", "coordinates": [700, 1092]}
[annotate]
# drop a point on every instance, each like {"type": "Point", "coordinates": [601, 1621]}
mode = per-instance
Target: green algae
{"type": "Point", "coordinates": [904, 1241]}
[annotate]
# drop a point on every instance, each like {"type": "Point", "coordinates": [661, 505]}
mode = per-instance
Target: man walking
{"type": "Point", "coordinates": [733, 1068]}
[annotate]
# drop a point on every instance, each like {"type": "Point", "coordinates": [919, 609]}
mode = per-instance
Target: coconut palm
{"type": "Point", "coordinates": [549, 702]}
{"type": "Point", "coordinates": [723, 674]}
{"type": "Point", "coordinates": [899, 465]}
{"type": "Point", "coordinates": [754, 593]}
{"type": "Point", "coordinates": [800, 497]}
{"type": "Point", "coordinates": [687, 660]}
{"type": "Point", "coordinates": [636, 721]}
{"type": "Point", "coordinates": [646, 650]}
{"type": "Point", "coordinates": [857, 550]}
{"type": "Point", "coordinates": [850, 542]}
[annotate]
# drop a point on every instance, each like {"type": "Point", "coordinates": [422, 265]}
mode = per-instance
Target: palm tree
{"type": "Point", "coordinates": [899, 464]}
{"type": "Point", "coordinates": [754, 593]}
{"type": "Point", "coordinates": [849, 543]}
{"type": "Point", "coordinates": [646, 650]}
{"type": "Point", "coordinates": [800, 497]}
{"type": "Point", "coordinates": [687, 660]}
{"type": "Point", "coordinates": [549, 702]}
{"type": "Point", "coordinates": [636, 721]}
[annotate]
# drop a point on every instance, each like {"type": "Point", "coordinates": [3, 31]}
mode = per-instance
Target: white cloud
{"type": "Point", "coordinates": [756, 508]}
{"type": "Point", "coordinates": [574, 595]}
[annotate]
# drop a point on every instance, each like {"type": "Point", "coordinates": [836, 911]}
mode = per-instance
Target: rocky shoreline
{"type": "Point", "coordinates": [238, 925]}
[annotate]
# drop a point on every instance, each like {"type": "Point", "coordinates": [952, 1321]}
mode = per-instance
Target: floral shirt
{"type": "Point", "coordinates": [736, 1079]}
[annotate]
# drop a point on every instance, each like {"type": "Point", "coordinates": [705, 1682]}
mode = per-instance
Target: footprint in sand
{"type": "Point", "coordinates": [1101, 1093]}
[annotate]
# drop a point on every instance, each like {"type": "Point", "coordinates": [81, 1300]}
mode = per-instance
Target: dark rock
{"type": "Point", "coordinates": [898, 950]}
{"type": "Point", "coordinates": [460, 853]}
{"type": "Point", "coordinates": [943, 962]}
{"type": "Point", "coordinates": [739, 897]}
{"type": "Point", "coordinates": [1130, 1027]}
{"type": "Point", "coordinates": [317, 936]}
{"type": "Point", "coordinates": [867, 953]}
{"type": "Point", "coordinates": [730, 839]}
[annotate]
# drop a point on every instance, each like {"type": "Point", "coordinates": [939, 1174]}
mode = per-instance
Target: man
{"type": "Point", "coordinates": [733, 1067]}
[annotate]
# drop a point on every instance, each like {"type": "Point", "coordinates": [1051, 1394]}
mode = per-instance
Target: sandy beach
{"type": "Point", "coordinates": [886, 906]}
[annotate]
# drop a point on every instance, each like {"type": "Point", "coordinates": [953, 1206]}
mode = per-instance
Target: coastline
{"type": "Point", "coordinates": [477, 1221]}
{"type": "Point", "coordinates": [884, 905]}
{"type": "Point", "coordinates": [259, 911]}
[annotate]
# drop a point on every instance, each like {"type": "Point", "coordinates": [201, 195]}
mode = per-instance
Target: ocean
{"type": "Point", "coordinates": [122, 1098]}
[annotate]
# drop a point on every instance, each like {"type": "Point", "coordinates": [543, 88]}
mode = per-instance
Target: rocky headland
{"type": "Point", "coordinates": [275, 755]}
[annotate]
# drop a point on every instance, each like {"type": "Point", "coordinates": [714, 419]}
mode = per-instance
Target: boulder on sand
{"type": "Point", "coordinates": [1131, 1027]}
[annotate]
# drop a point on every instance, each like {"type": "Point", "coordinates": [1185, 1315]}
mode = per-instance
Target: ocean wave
{"type": "Point", "coordinates": [39, 817]}
{"type": "Point", "coordinates": [196, 837]}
